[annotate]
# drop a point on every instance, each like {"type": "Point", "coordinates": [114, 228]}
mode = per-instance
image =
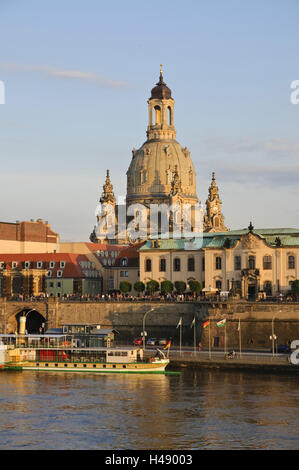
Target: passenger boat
{"type": "Point", "coordinates": [62, 353]}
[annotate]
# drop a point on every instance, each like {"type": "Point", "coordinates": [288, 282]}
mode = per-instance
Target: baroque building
{"type": "Point", "coordinates": [161, 172]}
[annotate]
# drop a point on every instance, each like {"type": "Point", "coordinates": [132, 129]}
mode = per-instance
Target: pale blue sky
{"type": "Point", "coordinates": [78, 75]}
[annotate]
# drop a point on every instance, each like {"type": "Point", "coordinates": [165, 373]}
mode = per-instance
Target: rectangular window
{"type": "Point", "coordinates": [58, 284]}
{"type": "Point", "coordinates": [291, 262]}
{"type": "Point", "coordinates": [162, 264]}
{"type": "Point", "coordinates": [237, 263]}
{"type": "Point", "coordinates": [267, 262]}
{"type": "Point", "coordinates": [191, 264]}
{"type": "Point", "coordinates": [218, 262]}
{"type": "Point", "coordinates": [148, 265]}
{"type": "Point", "coordinates": [251, 262]}
{"type": "Point", "coordinates": [176, 264]}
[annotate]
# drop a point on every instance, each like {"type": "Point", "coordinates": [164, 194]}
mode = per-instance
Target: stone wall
{"type": "Point", "coordinates": [256, 319]}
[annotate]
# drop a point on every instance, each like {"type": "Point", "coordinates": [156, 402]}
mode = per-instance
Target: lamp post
{"type": "Point", "coordinates": [143, 327]}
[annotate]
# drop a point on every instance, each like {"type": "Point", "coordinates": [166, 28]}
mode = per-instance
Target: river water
{"type": "Point", "coordinates": [198, 409]}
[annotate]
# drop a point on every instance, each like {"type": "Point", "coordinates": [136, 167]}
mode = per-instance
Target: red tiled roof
{"type": "Point", "coordinates": [72, 268]}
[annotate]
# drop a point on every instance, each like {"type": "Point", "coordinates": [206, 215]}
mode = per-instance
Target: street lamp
{"type": "Point", "coordinates": [143, 327]}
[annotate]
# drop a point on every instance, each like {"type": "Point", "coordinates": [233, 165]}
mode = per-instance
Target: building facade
{"type": "Point", "coordinates": [28, 237]}
{"type": "Point", "coordinates": [246, 262]}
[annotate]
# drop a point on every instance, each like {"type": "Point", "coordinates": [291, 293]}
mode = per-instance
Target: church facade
{"type": "Point", "coordinates": [161, 174]}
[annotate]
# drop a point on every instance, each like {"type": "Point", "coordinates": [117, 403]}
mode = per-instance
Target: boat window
{"type": "Point", "coordinates": [114, 366]}
{"type": "Point", "coordinates": [65, 365]}
{"type": "Point", "coordinates": [124, 366]}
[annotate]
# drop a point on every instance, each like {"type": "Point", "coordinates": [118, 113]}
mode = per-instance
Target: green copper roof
{"type": "Point", "coordinates": [287, 236]}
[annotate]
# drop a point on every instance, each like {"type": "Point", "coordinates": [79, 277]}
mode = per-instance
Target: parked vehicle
{"type": "Point", "coordinates": [137, 341]}
{"type": "Point", "coordinates": [162, 342]}
{"type": "Point", "coordinates": [152, 342]}
{"type": "Point", "coordinates": [283, 349]}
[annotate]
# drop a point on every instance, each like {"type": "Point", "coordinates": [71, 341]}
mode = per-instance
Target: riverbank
{"type": "Point", "coordinates": [246, 361]}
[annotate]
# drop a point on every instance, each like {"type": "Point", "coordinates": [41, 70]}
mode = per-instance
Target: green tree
{"type": "Point", "coordinates": [152, 286]}
{"type": "Point", "coordinates": [125, 287]}
{"type": "Point", "coordinates": [195, 286]}
{"type": "Point", "coordinates": [166, 287]}
{"type": "Point", "coordinates": [180, 286]}
{"type": "Point", "coordinates": [139, 286]}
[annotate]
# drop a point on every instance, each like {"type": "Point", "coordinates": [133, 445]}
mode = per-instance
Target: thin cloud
{"type": "Point", "coordinates": [65, 74]}
{"type": "Point", "coordinates": [247, 145]}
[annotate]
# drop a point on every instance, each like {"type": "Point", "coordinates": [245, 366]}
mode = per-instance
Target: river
{"type": "Point", "coordinates": [198, 409]}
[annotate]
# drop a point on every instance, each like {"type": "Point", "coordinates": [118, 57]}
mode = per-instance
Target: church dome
{"type": "Point", "coordinates": [152, 169]}
{"type": "Point", "coordinates": [161, 91]}
{"type": "Point", "coordinates": [161, 167]}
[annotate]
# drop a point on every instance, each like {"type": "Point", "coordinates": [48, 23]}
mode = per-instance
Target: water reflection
{"type": "Point", "coordinates": [196, 410]}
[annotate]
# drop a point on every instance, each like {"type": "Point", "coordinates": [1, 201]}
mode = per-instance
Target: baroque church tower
{"type": "Point", "coordinates": [214, 219]}
{"type": "Point", "coordinates": [161, 172]}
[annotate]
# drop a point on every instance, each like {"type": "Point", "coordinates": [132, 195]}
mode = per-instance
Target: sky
{"type": "Point", "coordinates": [77, 78]}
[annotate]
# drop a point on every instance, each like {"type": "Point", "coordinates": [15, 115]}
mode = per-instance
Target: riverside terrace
{"type": "Point", "coordinates": [258, 319]}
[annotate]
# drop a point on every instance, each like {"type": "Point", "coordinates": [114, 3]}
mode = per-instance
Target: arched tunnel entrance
{"type": "Point", "coordinates": [35, 322]}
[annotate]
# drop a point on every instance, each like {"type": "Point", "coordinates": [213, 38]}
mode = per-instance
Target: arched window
{"type": "Point", "coordinates": [157, 111]}
{"type": "Point", "coordinates": [267, 262]}
{"type": "Point", "coordinates": [176, 264]}
{"type": "Point", "coordinates": [191, 264]}
{"type": "Point", "coordinates": [169, 112]}
{"type": "Point", "coordinates": [148, 265]}
{"type": "Point", "coordinates": [291, 262]}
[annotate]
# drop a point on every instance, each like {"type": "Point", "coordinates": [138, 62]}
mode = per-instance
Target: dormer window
{"type": "Point", "coordinates": [2, 264]}
{"type": "Point", "coordinates": [52, 264]}
{"type": "Point", "coordinates": [59, 273]}
{"type": "Point", "coordinates": [39, 264]}
{"type": "Point", "coordinates": [124, 262]}
{"type": "Point", "coordinates": [14, 264]}
{"type": "Point", "coordinates": [27, 264]}
{"type": "Point", "coordinates": [62, 264]}
{"type": "Point", "coordinates": [49, 273]}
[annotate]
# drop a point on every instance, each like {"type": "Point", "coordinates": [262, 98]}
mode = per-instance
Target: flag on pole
{"type": "Point", "coordinates": [167, 346]}
{"type": "Point", "coordinates": [180, 323]}
{"type": "Point", "coordinates": [193, 323]}
{"type": "Point", "coordinates": [206, 323]}
{"type": "Point", "coordinates": [221, 323]}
